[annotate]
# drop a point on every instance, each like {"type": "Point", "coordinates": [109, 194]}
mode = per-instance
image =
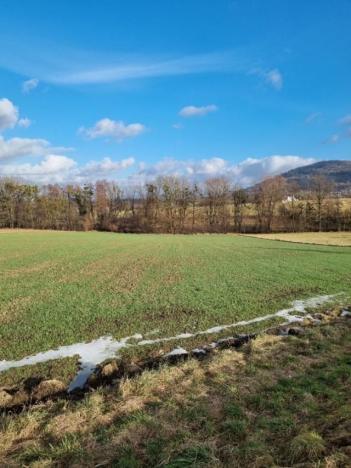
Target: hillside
{"type": "Point", "coordinates": [338, 172]}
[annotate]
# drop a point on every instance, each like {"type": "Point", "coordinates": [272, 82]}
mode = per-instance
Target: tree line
{"type": "Point", "coordinates": [175, 205]}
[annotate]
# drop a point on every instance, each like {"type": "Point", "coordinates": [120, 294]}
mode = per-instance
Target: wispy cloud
{"type": "Point", "coordinates": [24, 122]}
{"type": "Point", "coordinates": [55, 64]}
{"type": "Point", "coordinates": [346, 120]}
{"type": "Point", "coordinates": [333, 139]}
{"type": "Point", "coordinates": [312, 117]}
{"type": "Point", "coordinates": [177, 126]}
{"type": "Point", "coordinates": [131, 67]}
{"type": "Point", "coordinates": [29, 85]}
{"type": "Point", "coordinates": [115, 129]}
{"type": "Point", "coordinates": [272, 77]}
{"type": "Point", "coordinates": [344, 132]}
{"type": "Point", "coordinates": [196, 111]}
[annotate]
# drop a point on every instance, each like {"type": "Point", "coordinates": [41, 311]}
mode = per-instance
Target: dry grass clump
{"type": "Point", "coordinates": [307, 446]}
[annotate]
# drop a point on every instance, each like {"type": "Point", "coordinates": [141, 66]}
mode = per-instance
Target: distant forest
{"type": "Point", "coordinates": [174, 205]}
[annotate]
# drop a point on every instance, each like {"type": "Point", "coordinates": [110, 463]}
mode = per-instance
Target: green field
{"type": "Point", "coordinates": [58, 288]}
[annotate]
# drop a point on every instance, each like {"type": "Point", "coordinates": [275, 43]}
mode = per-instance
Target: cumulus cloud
{"type": "Point", "coordinates": [105, 167]}
{"type": "Point", "coordinates": [52, 169]}
{"type": "Point", "coordinates": [113, 129]}
{"type": "Point", "coordinates": [196, 111]}
{"type": "Point", "coordinates": [245, 173]}
{"type": "Point", "coordinates": [253, 170]}
{"type": "Point", "coordinates": [29, 85]}
{"type": "Point", "coordinates": [55, 168]}
{"type": "Point", "coordinates": [18, 147]}
{"type": "Point", "coordinates": [8, 114]}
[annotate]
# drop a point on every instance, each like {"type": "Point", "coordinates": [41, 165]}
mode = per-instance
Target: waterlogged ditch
{"type": "Point", "coordinates": [106, 347]}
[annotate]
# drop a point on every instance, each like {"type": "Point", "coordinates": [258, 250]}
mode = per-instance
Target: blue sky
{"type": "Point", "coordinates": [130, 90]}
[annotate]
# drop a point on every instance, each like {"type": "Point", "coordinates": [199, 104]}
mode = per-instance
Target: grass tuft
{"type": "Point", "coordinates": [307, 446]}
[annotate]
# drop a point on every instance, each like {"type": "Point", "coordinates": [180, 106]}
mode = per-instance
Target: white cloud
{"type": "Point", "coordinates": [52, 169]}
{"type": "Point", "coordinates": [114, 129]}
{"type": "Point", "coordinates": [8, 114]}
{"type": "Point", "coordinates": [57, 64]}
{"type": "Point", "coordinates": [54, 63]}
{"type": "Point", "coordinates": [79, 70]}
{"type": "Point", "coordinates": [55, 168]}
{"type": "Point", "coordinates": [25, 122]}
{"type": "Point", "coordinates": [29, 85]}
{"type": "Point", "coordinates": [245, 173]}
{"type": "Point", "coordinates": [195, 111]}
{"type": "Point", "coordinates": [177, 126]}
{"type": "Point", "coordinates": [253, 170]}
{"type": "Point", "coordinates": [60, 169]}
{"type": "Point", "coordinates": [105, 167]}
{"type": "Point", "coordinates": [18, 147]}
{"type": "Point", "coordinates": [208, 167]}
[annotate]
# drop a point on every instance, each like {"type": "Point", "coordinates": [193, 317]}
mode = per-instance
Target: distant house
{"type": "Point", "coordinates": [289, 199]}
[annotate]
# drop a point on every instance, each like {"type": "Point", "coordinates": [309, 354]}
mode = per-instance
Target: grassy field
{"type": "Point", "coordinates": [322, 238]}
{"type": "Point", "coordinates": [59, 288]}
{"type": "Point", "coordinates": [278, 402]}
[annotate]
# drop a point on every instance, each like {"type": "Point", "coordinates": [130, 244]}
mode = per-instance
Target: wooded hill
{"type": "Point", "coordinates": [337, 172]}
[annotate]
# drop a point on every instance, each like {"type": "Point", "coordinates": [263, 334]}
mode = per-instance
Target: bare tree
{"type": "Point", "coordinates": [266, 196]}
{"type": "Point", "coordinates": [240, 199]}
{"type": "Point", "coordinates": [217, 193]}
{"type": "Point", "coordinates": [321, 188]}
{"type": "Point", "coordinates": [172, 204]}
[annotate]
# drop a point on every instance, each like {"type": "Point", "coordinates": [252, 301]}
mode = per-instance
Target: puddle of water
{"type": "Point", "coordinates": [178, 351]}
{"type": "Point", "coordinates": [299, 306]}
{"type": "Point", "coordinates": [90, 355]}
{"type": "Point", "coordinates": [95, 352]}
